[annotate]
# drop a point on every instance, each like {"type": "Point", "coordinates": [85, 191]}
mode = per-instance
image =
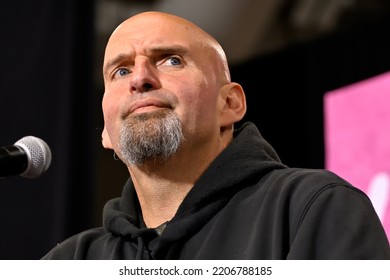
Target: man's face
{"type": "Point", "coordinates": [155, 64]}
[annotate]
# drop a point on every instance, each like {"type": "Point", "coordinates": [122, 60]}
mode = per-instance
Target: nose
{"type": "Point", "coordinates": [143, 77]}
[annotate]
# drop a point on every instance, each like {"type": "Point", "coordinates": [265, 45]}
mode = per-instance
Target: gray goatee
{"type": "Point", "coordinates": [151, 135]}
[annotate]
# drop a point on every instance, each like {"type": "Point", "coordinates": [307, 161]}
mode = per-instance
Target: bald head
{"type": "Point", "coordinates": [155, 26]}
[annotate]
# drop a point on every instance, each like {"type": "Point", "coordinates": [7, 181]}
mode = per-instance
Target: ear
{"type": "Point", "coordinates": [106, 142]}
{"type": "Point", "coordinates": [234, 104]}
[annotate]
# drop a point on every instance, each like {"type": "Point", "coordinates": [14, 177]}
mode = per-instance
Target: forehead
{"type": "Point", "coordinates": [151, 32]}
{"type": "Point", "coordinates": [145, 34]}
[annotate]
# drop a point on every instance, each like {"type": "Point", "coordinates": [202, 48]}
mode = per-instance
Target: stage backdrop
{"type": "Point", "coordinates": [357, 138]}
{"type": "Point", "coordinates": [46, 91]}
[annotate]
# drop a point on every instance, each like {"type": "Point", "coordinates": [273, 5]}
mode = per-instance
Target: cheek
{"type": "Point", "coordinates": [112, 103]}
{"type": "Point", "coordinates": [110, 116]}
{"type": "Point", "coordinates": [198, 105]}
{"type": "Point", "coordinates": [107, 108]}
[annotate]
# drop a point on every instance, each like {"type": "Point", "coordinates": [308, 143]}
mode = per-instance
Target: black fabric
{"type": "Point", "coordinates": [247, 205]}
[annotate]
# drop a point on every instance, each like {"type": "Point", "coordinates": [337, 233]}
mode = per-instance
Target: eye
{"type": "Point", "coordinates": [173, 61]}
{"type": "Point", "coordinates": [121, 72]}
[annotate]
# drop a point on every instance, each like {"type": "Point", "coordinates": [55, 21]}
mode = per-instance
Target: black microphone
{"type": "Point", "coordinates": [29, 157]}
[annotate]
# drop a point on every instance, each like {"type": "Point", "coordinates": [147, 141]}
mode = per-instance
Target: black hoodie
{"type": "Point", "coordinates": [246, 205]}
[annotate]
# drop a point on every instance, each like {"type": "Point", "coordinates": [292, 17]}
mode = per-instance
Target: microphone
{"type": "Point", "coordinates": [29, 157]}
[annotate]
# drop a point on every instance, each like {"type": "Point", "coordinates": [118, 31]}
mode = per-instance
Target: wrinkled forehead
{"type": "Point", "coordinates": [153, 30]}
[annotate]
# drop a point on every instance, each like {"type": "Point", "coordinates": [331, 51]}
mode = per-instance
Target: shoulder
{"type": "Point", "coordinates": [308, 192]}
{"type": "Point", "coordinates": [310, 182]}
{"type": "Point", "coordinates": [77, 246]}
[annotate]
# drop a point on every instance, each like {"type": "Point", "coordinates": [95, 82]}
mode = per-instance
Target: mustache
{"type": "Point", "coordinates": [157, 99]}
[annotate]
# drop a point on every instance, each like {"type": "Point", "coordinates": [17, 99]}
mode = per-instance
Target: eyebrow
{"type": "Point", "coordinates": [174, 49]}
{"type": "Point", "coordinates": [115, 61]}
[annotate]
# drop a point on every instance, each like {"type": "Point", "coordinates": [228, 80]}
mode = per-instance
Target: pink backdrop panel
{"type": "Point", "coordinates": [357, 139]}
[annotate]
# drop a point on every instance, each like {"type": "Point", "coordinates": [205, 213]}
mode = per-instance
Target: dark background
{"type": "Point", "coordinates": [49, 90]}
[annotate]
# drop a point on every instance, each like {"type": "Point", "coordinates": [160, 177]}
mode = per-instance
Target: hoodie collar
{"type": "Point", "coordinates": [247, 158]}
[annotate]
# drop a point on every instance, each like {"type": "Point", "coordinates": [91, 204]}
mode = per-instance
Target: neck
{"type": "Point", "coordinates": [162, 186]}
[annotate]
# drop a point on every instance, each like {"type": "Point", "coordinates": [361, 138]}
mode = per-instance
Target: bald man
{"type": "Point", "coordinates": [200, 188]}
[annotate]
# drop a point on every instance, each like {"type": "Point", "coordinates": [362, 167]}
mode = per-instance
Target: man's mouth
{"type": "Point", "coordinates": [147, 105]}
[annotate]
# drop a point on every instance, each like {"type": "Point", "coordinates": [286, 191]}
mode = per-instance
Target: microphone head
{"type": "Point", "coordinates": [38, 156]}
